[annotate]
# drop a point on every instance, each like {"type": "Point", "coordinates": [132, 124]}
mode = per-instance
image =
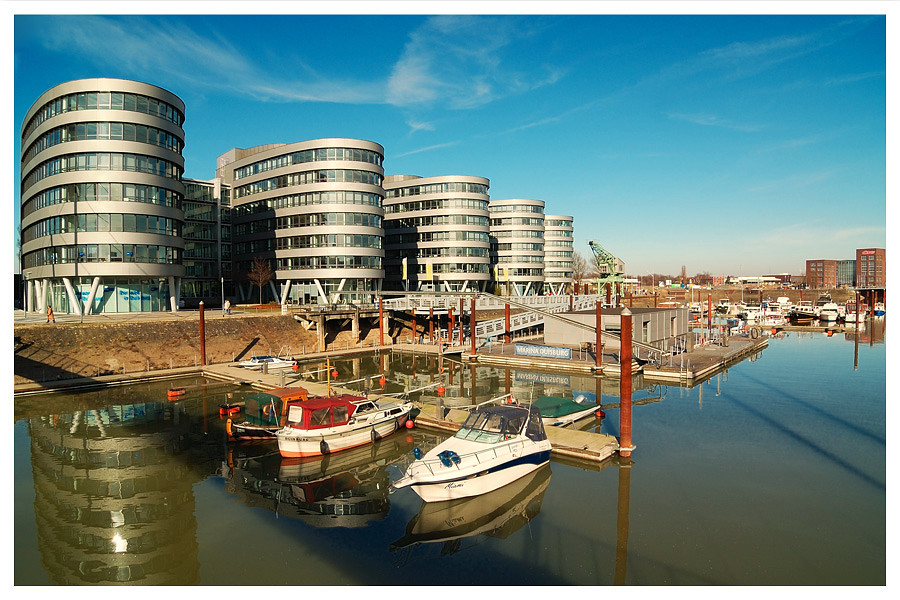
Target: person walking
{"type": "Point", "coordinates": [227, 307]}
{"type": "Point", "coordinates": [50, 317]}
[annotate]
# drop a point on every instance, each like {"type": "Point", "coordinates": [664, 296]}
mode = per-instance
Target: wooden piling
{"type": "Point", "coordinates": [625, 354]}
{"type": "Point", "coordinates": [202, 336]}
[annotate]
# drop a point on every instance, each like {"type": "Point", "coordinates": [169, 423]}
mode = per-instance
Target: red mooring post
{"type": "Point", "coordinates": [450, 324]}
{"type": "Point", "coordinates": [597, 344]}
{"type": "Point", "coordinates": [608, 293]}
{"type": "Point", "coordinates": [431, 324]}
{"type": "Point", "coordinates": [462, 307]}
{"type": "Point", "coordinates": [381, 321]}
{"type": "Point", "coordinates": [202, 336]}
{"type": "Point", "coordinates": [507, 322]}
{"type": "Point", "coordinates": [571, 303]}
{"type": "Point", "coordinates": [472, 329]}
{"type": "Point", "coordinates": [626, 336]}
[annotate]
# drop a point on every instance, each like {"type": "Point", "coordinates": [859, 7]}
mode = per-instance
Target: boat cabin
{"type": "Point", "coordinates": [265, 408]}
{"type": "Point", "coordinates": [322, 413]}
{"type": "Point", "coordinates": [492, 424]}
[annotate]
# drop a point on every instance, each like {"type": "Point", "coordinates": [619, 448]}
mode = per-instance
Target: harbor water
{"type": "Point", "coordinates": [771, 473]}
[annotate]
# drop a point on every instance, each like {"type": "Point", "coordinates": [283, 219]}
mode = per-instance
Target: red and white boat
{"type": "Point", "coordinates": [322, 425]}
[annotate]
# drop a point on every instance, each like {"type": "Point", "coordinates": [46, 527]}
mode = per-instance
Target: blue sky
{"type": "Point", "coordinates": [740, 144]}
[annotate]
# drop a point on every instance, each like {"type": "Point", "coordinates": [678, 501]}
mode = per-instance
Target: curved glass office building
{"type": "Point", "coordinates": [437, 233]}
{"type": "Point", "coordinates": [101, 193]}
{"type": "Point", "coordinates": [312, 211]}
{"type": "Point", "coordinates": [559, 274]}
{"type": "Point", "coordinates": [517, 246]}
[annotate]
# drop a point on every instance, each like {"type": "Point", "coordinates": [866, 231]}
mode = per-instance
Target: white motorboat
{"type": "Point", "coordinates": [494, 447]}
{"type": "Point", "coordinates": [852, 314]}
{"type": "Point", "coordinates": [256, 363]}
{"type": "Point", "coordinates": [878, 309]}
{"type": "Point", "coordinates": [829, 312]}
{"type": "Point", "coordinates": [322, 425]}
{"type": "Point", "coordinates": [562, 411]}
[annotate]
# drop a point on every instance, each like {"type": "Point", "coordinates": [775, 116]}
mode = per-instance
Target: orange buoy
{"type": "Point", "coordinates": [295, 368]}
{"type": "Point", "coordinates": [382, 381]}
{"type": "Point", "coordinates": [440, 390]}
{"type": "Point", "coordinates": [334, 373]}
{"type": "Point", "coordinates": [175, 392]}
{"type": "Point", "coordinates": [409, 423]}
{"type": "Point", "coordinates": [600, 414]}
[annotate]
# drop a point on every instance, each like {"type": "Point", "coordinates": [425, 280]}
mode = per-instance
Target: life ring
{"type": "Point", "coordinates": [323, 446]}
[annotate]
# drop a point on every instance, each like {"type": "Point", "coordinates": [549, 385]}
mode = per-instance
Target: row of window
{"type": "Point", "coordinates": [439, 236]}
{"type": "Point", "coordinates": [308, 199]}
{"type": "Point", "coordinates": [102, 222]}
{"type": "Point", "coordinates": [464, 251]}
{"type": "Point", "coordinates": [517, 233]}
{"type": "Point", "coordinates": [194, 230]}
{"type": "Point", "coordinates": [395, 272]}
{"type": "Point", "coordinates": [301, 242]}
{"type": "Point", "coordinates": [208, 250]}
{"type": "Point", "coordinates": [104, 100]}
{"type": "Point", "coordinates": [438, 188]}
{"type": "Point", "coordinates": [328, 262]}
{"type": "Point", "coordinates": [562, 243]}
{"type": "Point", "coordinates": [307, 177]}
{"type": "Point", "coordinates": [496, 208]}
{"type": "Point", "coordinates": [437, 204]}
{"type": "Point", "coordinates": [464, 220]}
{"type": "Point", "coordinates": [309, 220]}
{"type": "Point", "coordinates": [205, 212]}
{"type": "Point", "coordinates": [308, 156]}
{"type": "Point", "coordinates": [520, 258]}
{"type": "Point", "coordinates": [130, 132]}
{"type": "Point", "coordinates": [102, 192]}
{"type": "Point", "coordinates": [94, 253]}
{"type": "Point", "coordinates": [550, 253]}
{"type": "Point", "coordinates": [103, 161]}
{"type": "Point", "coordinates": [510, 221]}
{"type": "Point", "coordinates": [533, 247]}
{"type": "Point", "coordinates": [557, 223]}
{"type": "Point", "coordinates": [558, 274]}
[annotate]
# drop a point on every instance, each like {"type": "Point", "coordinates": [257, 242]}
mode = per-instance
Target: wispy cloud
{"type": "Point", "coordinates": [415, 126]}
{"type": "Point", "coordinates": [425, 149]}
{"type": "Point", "coordinates": [465, 62]}
{"type": "Point", "coordinates": [710, 120]}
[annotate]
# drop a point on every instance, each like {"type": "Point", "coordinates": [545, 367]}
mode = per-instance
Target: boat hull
{"type": "Point", "coordinates": [483, 482]}
{"type": "Point", "coordinates": [300, 443]}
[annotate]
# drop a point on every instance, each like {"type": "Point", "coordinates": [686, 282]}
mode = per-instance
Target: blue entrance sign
{"type": "Point", "coordinates": [543, 351]}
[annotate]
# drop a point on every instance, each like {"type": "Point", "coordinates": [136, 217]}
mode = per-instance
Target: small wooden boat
{"type": "Point", "coordinates": [264, 414]}
{"type": "Point", "coordinates": [322, 425]}
{"type": "Point", "coordinates": [494, 447]}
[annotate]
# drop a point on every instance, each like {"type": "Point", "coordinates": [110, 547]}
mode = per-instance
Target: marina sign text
{"type": "Point", "coordinates": [543, 351]}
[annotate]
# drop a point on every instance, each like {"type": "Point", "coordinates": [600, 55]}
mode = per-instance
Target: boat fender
{"type": "Point", "coordinates": [417, 453]}
{"type": "Point", "coordinates": [323, 447]}
{"type": "Point", "coordinates": [374, 435]}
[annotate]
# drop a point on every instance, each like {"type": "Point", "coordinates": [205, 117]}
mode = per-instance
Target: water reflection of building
{"type": "Point", "coordinates": [345, 489]}
{"type": "Point", "coordinates": [111, 506]}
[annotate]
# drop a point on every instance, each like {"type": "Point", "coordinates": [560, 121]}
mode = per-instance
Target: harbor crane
{"type": "Point", "coordinates": [607, 266]}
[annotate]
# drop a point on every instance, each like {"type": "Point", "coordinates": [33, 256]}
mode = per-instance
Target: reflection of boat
{"type": "Point", "coordinates": [497, 514]}
{"type": "Point", "coordinates": [325, 425]}
{"type": "Point", "coordinates": [264, 414]}
{"type": "Point", "coordinates": [562, 411]}
{"type": "Point", "coordinates": [348, 489]}
{"type": "Point", "coordinates": [495, 446]}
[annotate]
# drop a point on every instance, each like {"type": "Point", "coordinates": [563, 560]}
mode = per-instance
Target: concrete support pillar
{"type": "Point", "coordinates": [320, 333]}
{"type": "Point", "coordinates": [354, 325]}
{"type": "Point", "coordinates": [173, 294]}
{"type": "Point", "coordinates": [74, 301]}
{"type": "Point", "coordinates": [89, 305]}
{"type": "Point", "coordinates": [274, 291]}
{"type": "Point", "coordinates": [285, 291]}
{"type": "Point", "coordinates": [43, 295]}
{"type": "Point", "coordinates": [29, 296]}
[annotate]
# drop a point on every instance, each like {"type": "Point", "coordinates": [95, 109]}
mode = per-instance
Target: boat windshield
{"type": "Point", "coordinates": [490, 428]}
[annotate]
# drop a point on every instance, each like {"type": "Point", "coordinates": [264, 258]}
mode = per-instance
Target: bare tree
{"type": "Point", "coordinates": [580, 267]}
{"type": "Point", "coordinates": [260, 274]}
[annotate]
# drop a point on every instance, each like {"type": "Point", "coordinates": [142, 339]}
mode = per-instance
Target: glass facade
{"type": "Point", "coordinates": [101, 196]}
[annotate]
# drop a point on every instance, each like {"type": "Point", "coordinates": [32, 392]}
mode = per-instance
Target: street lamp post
{"type": "Point", "coordinates": [223, 296]}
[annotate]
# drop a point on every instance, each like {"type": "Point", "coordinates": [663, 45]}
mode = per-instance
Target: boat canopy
{"type": "Point", "coordinates": [264, 408]}
{"type": "Point", "coordinates": [491, 424]}
{"type": "Point", "coordinates": [321, 413]}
